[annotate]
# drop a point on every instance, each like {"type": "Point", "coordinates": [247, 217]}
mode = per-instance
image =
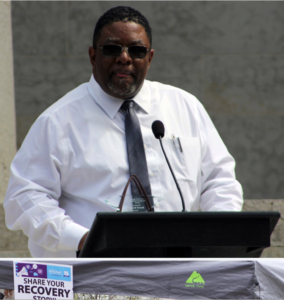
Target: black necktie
{"type": "Point", "coordinates": [135, 149]}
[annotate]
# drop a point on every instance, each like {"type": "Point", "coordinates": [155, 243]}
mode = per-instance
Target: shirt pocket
{"type": "Point", "coordinates": [186, 164]}
{"type": "Point", "coordinates": [185, 158]}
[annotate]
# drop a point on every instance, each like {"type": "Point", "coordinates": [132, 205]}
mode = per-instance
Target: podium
{"type": "Point", "coordinates": [180, 234]}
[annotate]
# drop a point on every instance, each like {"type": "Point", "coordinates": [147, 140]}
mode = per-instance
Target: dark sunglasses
{"type": "Point", "coordinates": [116, 50]}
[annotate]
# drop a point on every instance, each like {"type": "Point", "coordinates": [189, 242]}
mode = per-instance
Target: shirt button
{"type": "Point", "coordinates": [145, 146]}
{"type": "Point", "coordinates": [152, 174]}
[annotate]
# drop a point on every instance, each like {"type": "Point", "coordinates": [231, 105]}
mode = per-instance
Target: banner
{"type": "Point", "coordinates": [42, 281]}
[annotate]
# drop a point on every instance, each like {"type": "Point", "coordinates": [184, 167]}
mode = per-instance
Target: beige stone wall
{"type": "Point", "coordinates": [13, 244]}
{"type": "Point", "coordinates": [277, 238]}
{"type": "Point", "coordinates": [7, 106]}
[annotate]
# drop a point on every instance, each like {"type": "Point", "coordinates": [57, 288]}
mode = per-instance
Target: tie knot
{"type": "Point", "coordinates": [127, 104]}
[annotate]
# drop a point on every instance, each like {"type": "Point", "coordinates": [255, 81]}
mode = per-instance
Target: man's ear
{"type": "Point", "coordinates": [151, 54]}
{"type": "Point", "coordinates": [92, 56]}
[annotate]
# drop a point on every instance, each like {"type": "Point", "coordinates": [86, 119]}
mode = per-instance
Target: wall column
{"type": "Point", "coordinates": [13, 244]}
{"type": "Point", "coordinates": [7, 102]}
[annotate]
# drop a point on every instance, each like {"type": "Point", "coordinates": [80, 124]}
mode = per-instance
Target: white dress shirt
{"type": "Point", "coordinates": [74, 157]}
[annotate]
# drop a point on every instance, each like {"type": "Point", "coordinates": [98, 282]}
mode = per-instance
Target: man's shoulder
{"type": "Point", "coordinates": [161, 88]}
{"type": "Point", "coordinates": [72, 98]}
{"type": "Point", "coordinates": [64, 110]}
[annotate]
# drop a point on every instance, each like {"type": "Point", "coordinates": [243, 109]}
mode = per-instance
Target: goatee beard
{"type": "Point", "coordinates": [122, 88]}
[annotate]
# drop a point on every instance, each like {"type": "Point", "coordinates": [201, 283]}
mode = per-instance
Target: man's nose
{"type": "Point", "coordinates": [124, 56]}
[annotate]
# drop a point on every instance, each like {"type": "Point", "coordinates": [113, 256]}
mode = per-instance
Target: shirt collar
{"type": "Point", "coordinates": [111, 105]}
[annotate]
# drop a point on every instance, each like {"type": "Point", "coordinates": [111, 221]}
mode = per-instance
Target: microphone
{"type": "Point", "coordinates": [159, 132]}
{"type": "Point", "coordinates": [158, 129]}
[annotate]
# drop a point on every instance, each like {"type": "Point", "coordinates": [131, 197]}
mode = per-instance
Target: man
{"type": "Point", "coordinates": [75, 156]}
